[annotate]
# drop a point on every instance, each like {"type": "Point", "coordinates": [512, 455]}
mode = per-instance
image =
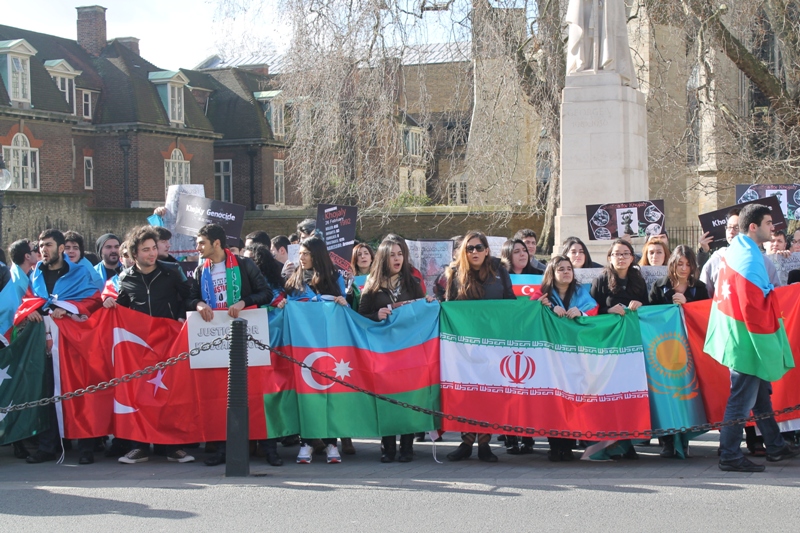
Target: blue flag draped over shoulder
{"type": "Point", "coordinates": [11, 299]}
{"type": "Point", "coordinates": [77, 284]}
{"type": "Point", "coordinates": [675, 399]}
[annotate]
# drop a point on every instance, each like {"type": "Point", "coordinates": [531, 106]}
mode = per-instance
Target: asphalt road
{"type": "Point", "coordinates": [518, 493]}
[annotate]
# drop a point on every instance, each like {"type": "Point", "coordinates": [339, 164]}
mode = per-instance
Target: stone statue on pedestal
{"type": "Point", "coordinates": [598, 39]}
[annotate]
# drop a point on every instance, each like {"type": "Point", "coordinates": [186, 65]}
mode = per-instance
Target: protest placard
{"type": "Point", "coordinates": [201, 332]}
{"type": "Point", "coordinates": [338, 226]}
{"type": "Point", "coordinates": [637, 219]}
{"type": "Point", "coordinates": [430, 257]}
{"type": "Point", "coordinates": [787, 194]}
{"type": "Point", "coordinates": [714, 222]}
{"type": "Point", "coordinates": [179, 244]}
{"type": "Point", "coordinates": [194, 212]}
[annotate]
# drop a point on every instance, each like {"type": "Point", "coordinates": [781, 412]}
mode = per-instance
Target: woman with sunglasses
{"type": "Point", "coordinates": [315, 280]}
{"type": "Point", "coordinates": [562, 294]}
{"type": "Point", "coordinates": [476, 275]}
{"type": "Point", "coordinates": [389, 284]}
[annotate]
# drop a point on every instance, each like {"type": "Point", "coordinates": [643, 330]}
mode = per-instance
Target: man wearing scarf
{"type": "Point", "coordinates": [746, 334]}
{"type": "Point", "coordinates": [59, 288]}
{"type": "Point", "coordinates": [224, 282]}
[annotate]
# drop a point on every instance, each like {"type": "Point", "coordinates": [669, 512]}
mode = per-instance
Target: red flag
{"type": "Point", "coordinates": [715, 382]}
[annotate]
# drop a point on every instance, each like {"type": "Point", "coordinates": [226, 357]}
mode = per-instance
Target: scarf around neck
{"type": "Point", "coordinates": [233, 280]}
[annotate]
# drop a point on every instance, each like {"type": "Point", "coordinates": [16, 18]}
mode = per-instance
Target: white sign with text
{"type": "Point", "coordinates": [201, 332]}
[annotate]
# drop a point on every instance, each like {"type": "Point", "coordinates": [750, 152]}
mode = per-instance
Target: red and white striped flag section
{"type": "Point", "coordinates": [519, 364]}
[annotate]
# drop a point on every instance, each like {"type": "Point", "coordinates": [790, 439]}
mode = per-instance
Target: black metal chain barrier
{"type": "Point", "coordinates": [498, 428]}
{"type": "Point", "coordinates": [113, 382]}
{"type": "Point", "coordinates": [527, 431]}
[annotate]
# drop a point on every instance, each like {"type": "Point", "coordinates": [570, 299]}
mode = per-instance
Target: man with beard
{"type": "Point", "coordinates": [108, 250]}
{"type": "Point", "coordinates": [61, 289]}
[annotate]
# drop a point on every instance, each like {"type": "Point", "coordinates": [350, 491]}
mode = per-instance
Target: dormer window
{"type": "Point", "coordinates": [15, 56]}
{"type": "Point", "coordinates": [63, 76]}
{"type": "Point", "coordinates": [170, 86]}
{"type": "Point", "coordinates": [273, 105]}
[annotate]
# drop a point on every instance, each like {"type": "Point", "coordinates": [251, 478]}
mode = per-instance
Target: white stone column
{"type": "Point", "coordinates": [603, 151]}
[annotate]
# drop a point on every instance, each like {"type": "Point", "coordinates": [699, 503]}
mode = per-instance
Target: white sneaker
{"type": "Point", "coordinates": [304, 455]}
{"type": "Point", "coordinates": [134, 456]}
{"type": "Point", "coordinates": [333, 454]}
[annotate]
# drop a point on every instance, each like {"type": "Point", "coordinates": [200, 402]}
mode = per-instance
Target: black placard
{"type": "Point", "coordinates": [637, 219]}
{"type": "Point", "coordinates": [788, 195]}
{"type": "Point", "coordinates": [194, 212]}
{"type": "Point", "coordinates": [714, 222]}
{"type": "Point", "coordinates": [337, 223]}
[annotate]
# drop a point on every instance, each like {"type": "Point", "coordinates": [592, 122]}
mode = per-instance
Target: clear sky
{"type": "Point", "coordinates": [173, 33]}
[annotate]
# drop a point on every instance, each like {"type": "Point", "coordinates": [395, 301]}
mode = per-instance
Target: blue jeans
{"type": "Point", "coordinates": [748, 393]}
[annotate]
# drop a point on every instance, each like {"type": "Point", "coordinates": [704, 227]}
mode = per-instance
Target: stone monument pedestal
{"type": "Point", "coordinates": [603, 152]}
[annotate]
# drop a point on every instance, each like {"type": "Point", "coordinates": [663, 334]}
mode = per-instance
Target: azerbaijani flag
{"type": "Point", "coordinates": [397, 357]}
{"type": "Point", "coordinates": [525, 284]}
{"type": "Point", "coordinates": [510, 362]}
{"type": "Point", "coordinates": [745, 327]}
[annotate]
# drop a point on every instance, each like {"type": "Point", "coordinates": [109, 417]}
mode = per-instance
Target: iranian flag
{"type": "Point", "coordinates": [397, 357]}
{"type": "Point", "coordinates": [745, 327]}
{"type": "Point", "coordinates": [517, 363]}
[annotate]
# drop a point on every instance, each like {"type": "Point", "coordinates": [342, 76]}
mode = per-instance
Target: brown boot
{"type": "Point", "coordinates": [347, 446]}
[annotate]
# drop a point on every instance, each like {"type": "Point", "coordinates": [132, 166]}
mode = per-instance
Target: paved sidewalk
{"type": "Point", "coordinates": [365, 467]}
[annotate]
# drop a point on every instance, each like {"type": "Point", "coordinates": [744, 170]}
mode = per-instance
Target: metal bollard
{"type": "Point", "coordinates": [237, 463]}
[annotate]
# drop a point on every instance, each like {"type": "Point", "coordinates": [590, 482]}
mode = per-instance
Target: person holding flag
{"type": "Point", "coordinates": [746, 334]}
{"type": "Point", "coordinates": [58, 288]}
{"type": "Point", "coordinates": [14, 289]}
{"type": "Point", "coordinates": [76, 252]}
{"type": "Point", "coordinates": [224, 282]}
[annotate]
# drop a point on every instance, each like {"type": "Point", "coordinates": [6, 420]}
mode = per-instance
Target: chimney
{"type": "Point", "coordinates": [131, 43]}
{"type": "Point", "coordinates": [92, 28]}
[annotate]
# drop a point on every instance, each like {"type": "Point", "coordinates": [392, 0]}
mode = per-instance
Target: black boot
{"type": "Point", "coordinates": [668, 446]}
{"type": "Point", "coordinates": [270, 447]}
{"type": "Point", "coordinates": [485, 452]}
{"type": "Point", "coordinates": [406, 448]}
{"type": "Point", "coordinates": [512, 445]}
{"type": "Point", "coordinates": [389, 445]}
{"type": "Point", "coordinates": [464, 451]}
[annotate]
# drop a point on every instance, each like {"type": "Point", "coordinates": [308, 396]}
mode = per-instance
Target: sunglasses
{"type": "Point", "coordinates": [476, 248]}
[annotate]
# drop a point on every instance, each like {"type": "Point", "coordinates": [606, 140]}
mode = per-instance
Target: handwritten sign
{"type": "Point", "coordinates": [201, 332]}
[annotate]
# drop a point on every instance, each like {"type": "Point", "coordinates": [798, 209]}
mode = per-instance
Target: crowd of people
{"type": "Point", "coordinates": [139, 273]}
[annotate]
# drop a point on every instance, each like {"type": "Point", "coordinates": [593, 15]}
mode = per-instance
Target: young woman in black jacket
{"type": "Point", "coordinates": [476, 275]}
{"type": "Point", "coordinates": [390, 283]}
{"type": "Point", "coordinates": [620, 287]}
{"type": "Point", "coordinates": [680, 285]}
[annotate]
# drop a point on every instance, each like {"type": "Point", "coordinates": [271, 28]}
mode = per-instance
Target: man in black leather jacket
{"type": "Point", "coordinates": [151, 286]}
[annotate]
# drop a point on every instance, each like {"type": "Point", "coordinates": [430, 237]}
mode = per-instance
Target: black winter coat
{"type": "Point", "coordinates": [166, 296]}
{"type": "Point", "coordinates": [255, 291]}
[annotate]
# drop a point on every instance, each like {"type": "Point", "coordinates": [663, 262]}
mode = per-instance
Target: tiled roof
{"type": "Point", "coordinates": [232, 109]}
{"type": "Point", "coordinates": [424, 54]}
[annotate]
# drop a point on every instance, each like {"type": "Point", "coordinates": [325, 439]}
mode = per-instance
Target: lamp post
{"type": "Point", "coordinates": [5, 183]}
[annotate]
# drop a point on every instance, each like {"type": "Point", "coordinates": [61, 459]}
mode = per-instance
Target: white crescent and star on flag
{"type": "Point", "coordinates": [123, 335]}
{"type": "Point", "coordinates": [341, 370]}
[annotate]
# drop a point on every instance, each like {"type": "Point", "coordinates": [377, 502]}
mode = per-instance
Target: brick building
{"type": "Point", "coordinates": [93, 120]}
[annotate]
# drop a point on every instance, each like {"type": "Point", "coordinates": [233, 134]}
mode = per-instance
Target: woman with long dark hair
{"type": "Point", "coordinates": [476, 275]}
{"type": "Point", "coordinates": [390, 283]}
{"type": "Point", "coordinates": [578, 254]}
{"type": "Point", "coordinates": [620, 287]}
{"type": "Point", "coordinates": [679, 286]}
{"type": "Point", "coordinates": [515, 257]}
{"type": "Point", "coordinates": [315, 280]}
{"type": "Point", "coordinates": [562, 293]}
{"type": "Point", "coordinates": [269, 266]}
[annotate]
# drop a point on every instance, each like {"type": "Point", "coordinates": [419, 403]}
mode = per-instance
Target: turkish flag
{"type": "Point", "coordinates": [161, 407]}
